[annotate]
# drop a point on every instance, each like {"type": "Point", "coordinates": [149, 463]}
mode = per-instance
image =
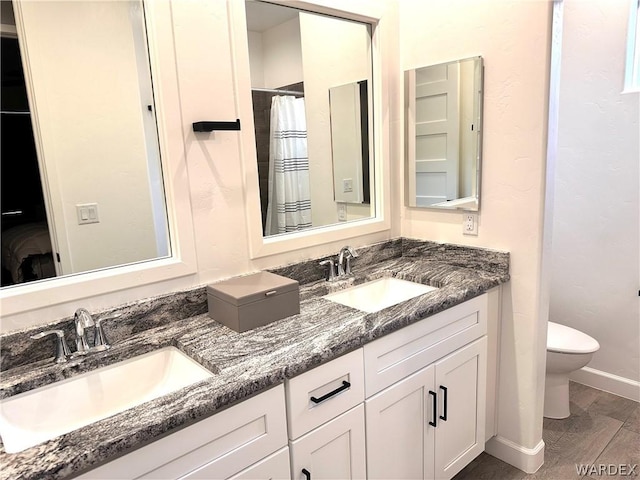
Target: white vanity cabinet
{"type": "Point", "coordinates": [428, 422]}
{"type": "Point", "coordinates": [411, 404]}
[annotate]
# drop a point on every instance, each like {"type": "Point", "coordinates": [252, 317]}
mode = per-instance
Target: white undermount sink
{"type": "Point", "coordinates": [379, 294]}
{"type": "Point", "coordinates": [39, 415]}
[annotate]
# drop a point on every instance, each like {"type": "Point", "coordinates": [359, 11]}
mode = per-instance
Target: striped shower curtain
{"type": "Point", "coordinates": [289, 207]}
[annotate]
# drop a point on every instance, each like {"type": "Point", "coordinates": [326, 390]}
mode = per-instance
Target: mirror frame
{"type": "Point", "coordinates": [372, 13]}
{"type": "Point", "coordinates": [24, 298]}
{"type": "Point", "coordinates": [479, 132]}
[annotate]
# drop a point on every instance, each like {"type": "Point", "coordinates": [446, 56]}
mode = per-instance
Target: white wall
{"type": "Point", "coordinates": [282, 54]}
{"type": "Point", "coordinates": [255, 56]}
{"type": "Point", "coordinates": [513, 37]}
{"type": "Point", "coordinates": [275, 55]}
{"type": "Point", "coordinates": [595, 250]}
{"type": "Point", "coordinates": [85, 81]}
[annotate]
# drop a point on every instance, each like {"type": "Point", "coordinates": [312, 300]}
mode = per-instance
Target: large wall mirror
{"type": "Point", "coordinates": [82, 184]}
{"type": "Point", "coordinates": [443, 135]}
{"type": "Point", "coordinates": [311, 82]}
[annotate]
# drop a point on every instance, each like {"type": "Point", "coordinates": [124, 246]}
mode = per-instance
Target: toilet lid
{"type": "Point", "coordinates": [563, 339]}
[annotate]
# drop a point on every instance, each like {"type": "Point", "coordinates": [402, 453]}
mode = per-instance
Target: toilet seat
{"type": "Point", "coordinates": [563, 339]}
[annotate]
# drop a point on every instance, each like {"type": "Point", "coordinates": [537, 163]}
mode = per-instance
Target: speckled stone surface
{"type": "Point", "coordinates": [247, 363]}
{"type": "Point", "coordinates": [17, 349]}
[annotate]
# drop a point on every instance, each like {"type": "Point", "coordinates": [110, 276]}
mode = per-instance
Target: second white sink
{"type": "Point", "coordinates": [379, 294]}
{"type": "Point", "coordinates": [39, 415]}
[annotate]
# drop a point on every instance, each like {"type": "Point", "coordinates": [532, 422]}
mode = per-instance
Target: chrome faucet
{"type": "Point", "coordinates": [343, 265]}
{"type": "Point", "coordinates": [83, 320]}
{"type": "Point", "coordinates": [344, 257]}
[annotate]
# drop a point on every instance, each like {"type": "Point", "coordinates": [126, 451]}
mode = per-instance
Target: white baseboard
{"type": "Point", "coordinates": [528, 460]}
{"type": "Point", "coordinates": [608, 382]}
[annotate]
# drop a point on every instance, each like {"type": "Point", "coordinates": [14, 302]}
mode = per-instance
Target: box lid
{"type": "Point", "coordinates": [251, 288]}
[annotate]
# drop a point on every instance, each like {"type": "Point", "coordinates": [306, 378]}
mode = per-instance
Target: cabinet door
{"type": "Point", "coordinates": [274, 467]}
{"type": "Point", "coordinates": [335, 450]}
{"type": "Point", "coordinates": [399, 436]}
{"type": "Point", "coordinates": [460, 383]}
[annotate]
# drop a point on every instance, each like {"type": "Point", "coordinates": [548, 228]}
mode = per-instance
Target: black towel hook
{"type": "Point", "coordinates": [207, 126]}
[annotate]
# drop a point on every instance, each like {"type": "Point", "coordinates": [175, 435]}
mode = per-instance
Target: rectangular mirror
{"type": "Point", "coordinates": [443, 135]}
{"type": "Point", "coordinates": [82, 184]}
{"type": "Point", "coordinates": [300, 75]}
{"type": "Point", "coordinates": [350, 142]}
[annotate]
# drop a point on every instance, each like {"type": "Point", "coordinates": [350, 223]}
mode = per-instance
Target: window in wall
{"type": "Point", "coordinates": [632, 71]}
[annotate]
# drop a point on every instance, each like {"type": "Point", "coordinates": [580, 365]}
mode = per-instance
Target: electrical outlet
{"type": "Point", "coordinates": [342, 212]}
{"type": "Point", "coordinates": [470, 223]}
{"type": "Point", "coordinates": [347, 185]}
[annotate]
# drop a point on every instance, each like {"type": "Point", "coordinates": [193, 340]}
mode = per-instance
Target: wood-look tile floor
{"type": "Point", "coordinates": [602, 429]}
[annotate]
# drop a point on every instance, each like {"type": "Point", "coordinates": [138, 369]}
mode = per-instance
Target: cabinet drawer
{"type": "Point", "coordinates": [406, 351]}
{"type": "Point", "coordinates": [323, 393]}
{"type": "Point", "coordinates": [216, 447]}
{"type": "Point", "coordinates": [274, 467]}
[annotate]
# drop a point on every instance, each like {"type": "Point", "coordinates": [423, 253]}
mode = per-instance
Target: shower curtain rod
{"type": "Point", "coordinates": [271, 90]}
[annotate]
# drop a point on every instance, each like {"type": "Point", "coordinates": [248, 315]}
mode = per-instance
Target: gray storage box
{"type": "Point", "coordinates": [243, 303]}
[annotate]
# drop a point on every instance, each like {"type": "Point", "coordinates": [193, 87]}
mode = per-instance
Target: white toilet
{"type": "Point", "coordinates": [568, 350]}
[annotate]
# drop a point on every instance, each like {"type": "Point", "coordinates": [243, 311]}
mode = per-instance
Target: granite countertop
{"type": "Point", "coordinates": [247, 363]}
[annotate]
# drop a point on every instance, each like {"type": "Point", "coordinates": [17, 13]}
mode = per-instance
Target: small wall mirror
{"type": "Point", "coordinates": [443, 135]}
{"type": "Point", "coordinates": [311, 93]}
{"type": "Point", "coordinates": [350, 142]}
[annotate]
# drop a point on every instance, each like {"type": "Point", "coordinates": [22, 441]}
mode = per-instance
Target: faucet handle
{"type": "Point", "coordinates": [346, 254]}
{"type": "Point", "coordinates": [331, 271]}
{"type": "Point", "coordinates": [347, 268]}
{"type": "Point", "coordinates": [100, 340]}
{"type": "Point", "coordinates": [351, 253]}
{"type": "Point", "coordinates": [62, 349]}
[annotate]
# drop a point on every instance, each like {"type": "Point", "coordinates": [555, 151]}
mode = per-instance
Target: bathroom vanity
{"type": "Point", "coordinates": [407, 391]}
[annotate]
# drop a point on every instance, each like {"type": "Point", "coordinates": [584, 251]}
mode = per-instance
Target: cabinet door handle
{"type": "Point", "coordinates": [344, 386]}
{"type": "Point", "coordinates": [444, 413]}
{"type": "Point", "coordinates": [306, 473]}
{"type": "Point", "coordinates": [435, 407]}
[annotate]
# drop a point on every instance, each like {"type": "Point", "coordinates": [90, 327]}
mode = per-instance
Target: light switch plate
{"type": "Point", "coordinates": [87, 213]}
